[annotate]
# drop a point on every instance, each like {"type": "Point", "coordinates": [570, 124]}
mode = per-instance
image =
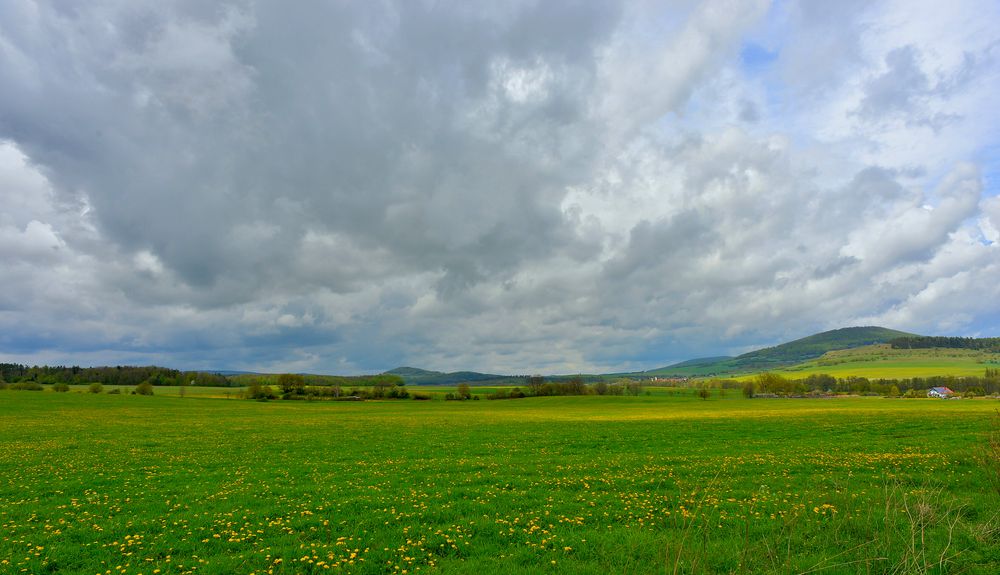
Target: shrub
{"type": "Point", "coordinates": [27, 386]}
{"type": "Point", "coordinates": [144, 388]}
{"type": "Point", "coordinates": [116, 392]}
{"type": "Point", "coordinates": [60, 387]}
{"type": "Point", "coordinates": [398, 392]}
{"type": "Point", "coordinates": [95, 388]}
{"type": "Point", "coordinates": [260, 392]}
{"type": "Point", "coordinates": [515, 393]}
{"type": "Point", "coordinates": [420, 396]}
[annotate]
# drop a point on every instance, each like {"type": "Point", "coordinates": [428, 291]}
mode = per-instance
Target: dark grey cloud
{"type": "Point", "coordinates": [522, 187]}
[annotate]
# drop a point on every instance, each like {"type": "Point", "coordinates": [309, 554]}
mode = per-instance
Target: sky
{"type": "Point", "coordinates": [508, 187]}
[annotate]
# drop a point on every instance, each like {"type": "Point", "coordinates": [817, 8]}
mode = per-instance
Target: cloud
{"type": "Point", "coordinates": [535, 186]}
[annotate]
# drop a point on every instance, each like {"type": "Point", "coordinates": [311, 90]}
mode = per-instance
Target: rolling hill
{"type": "Point", "coordinates": [784, 355]}
{"type": "Point", "coordinates": [417, 376]}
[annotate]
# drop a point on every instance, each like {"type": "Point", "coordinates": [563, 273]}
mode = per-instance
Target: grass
{"type": "Point", "coordinates": [881, 361]}
{"type": "Point", "coordinates": [171, 391]}
{"type": "Point", "coordinates": [650, 484]}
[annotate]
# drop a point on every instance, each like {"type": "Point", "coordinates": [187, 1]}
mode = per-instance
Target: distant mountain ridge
{"type": "Point", "coordinates": [778, 356]}
{"type": "Point", "coordinates": [782, 355]}
{"type": "Point", "coordinates": [417, 376]}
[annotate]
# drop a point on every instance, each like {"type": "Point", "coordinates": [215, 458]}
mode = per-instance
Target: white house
{"type": "Point", "coordinates": [942, 392]}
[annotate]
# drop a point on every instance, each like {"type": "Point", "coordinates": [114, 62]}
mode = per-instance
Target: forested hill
{"type": "Point", "coordinates": [416, 376]}
{"type": "Point", "coordinates": [820, 343]}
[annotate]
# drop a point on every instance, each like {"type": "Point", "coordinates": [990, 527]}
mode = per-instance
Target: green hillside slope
{"type": "Point", "coordinates": [884, 361]}
{"type": "Point", "coordinates": [816, 345]}
{"type": "Point", "coordinates": [786, 354]}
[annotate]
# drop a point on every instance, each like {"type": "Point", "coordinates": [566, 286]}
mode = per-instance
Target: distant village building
{"type": "Point", "coordinates": [659, 379]}
{"type": "Point", "coordinates": [941, 392]}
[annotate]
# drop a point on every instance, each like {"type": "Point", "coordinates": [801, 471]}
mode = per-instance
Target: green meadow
{"type": "Point", "coordinates": [882, 361]}
{"type": "Point", "coordinates": [664, 483]}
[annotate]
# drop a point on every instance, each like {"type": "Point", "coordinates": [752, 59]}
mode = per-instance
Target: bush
{"type": "Point", "coordinates": [260, 392]}
{"type": "Point", "coordinates": [116, 392]}
{"type": "Point", "coordinates": [144, 388]}
{"type": "Point", "coordinates": [515, 393]}
{"type": "Point", "coordinates": [398, 392]}
{"type": "Point", "coordinates": [420, 396]}
{"type": "Point", "coordinates": [60, 387]}
{"type": "Point", "coordinates": [95, 388]}
{"type": "Point", "coordinates": [27, 386]}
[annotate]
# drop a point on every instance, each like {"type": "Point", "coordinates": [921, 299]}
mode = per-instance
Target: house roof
{"type": "Point", "coordinates": [942, 390]}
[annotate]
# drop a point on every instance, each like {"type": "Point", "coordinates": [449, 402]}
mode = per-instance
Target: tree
{"type": "Point", "coordinates": [779, 385]}
{"type": "Point", "coordinates": [749, 389]}
{"type": "Point", "coordinates": [634, 387]}
{"type": "Point", "coordinates": [464, 391]}
{"type": "Point", "coordinates": [144, 388]}
{"type": "Point", "coordinates": [95, 388]}
{"type": "Point", "coordinates": [535, 383]}
{"type": "Point", "coordinates": [292, 384]}
{"type": "Point", "coordinates": [703, 393]}
{"type": "Point", "coordinates": [575, 386]}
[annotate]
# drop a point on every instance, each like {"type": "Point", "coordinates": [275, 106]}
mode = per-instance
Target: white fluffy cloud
{"type": "Point", "coordinates": [536, 186]}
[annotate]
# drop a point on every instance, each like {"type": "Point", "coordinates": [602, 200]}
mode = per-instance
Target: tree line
{"type": "Point", "coordinates": [109, 375]}
{"type": "Point", "coordinates": [926, 342]}
{"type": "Point", "coordinates": [126, 375]}
{"type": "Point", "coordinates": [779, 385]}
{"type": "Point", "coordinates": [298, 386]}
{"type": "Point", "coordinates": [313, 380]}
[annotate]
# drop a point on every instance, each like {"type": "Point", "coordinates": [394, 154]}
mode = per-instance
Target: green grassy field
{"type": "Point", "coordinates": [106, 484]}
{"type": "Point", "coordinates": [881, 361]}
{"type": "Point", "coordinates": [167, 390]}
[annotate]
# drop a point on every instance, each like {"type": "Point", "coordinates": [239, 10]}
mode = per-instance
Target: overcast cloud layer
{"type": "Point", "coordinates": [524, 187]}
